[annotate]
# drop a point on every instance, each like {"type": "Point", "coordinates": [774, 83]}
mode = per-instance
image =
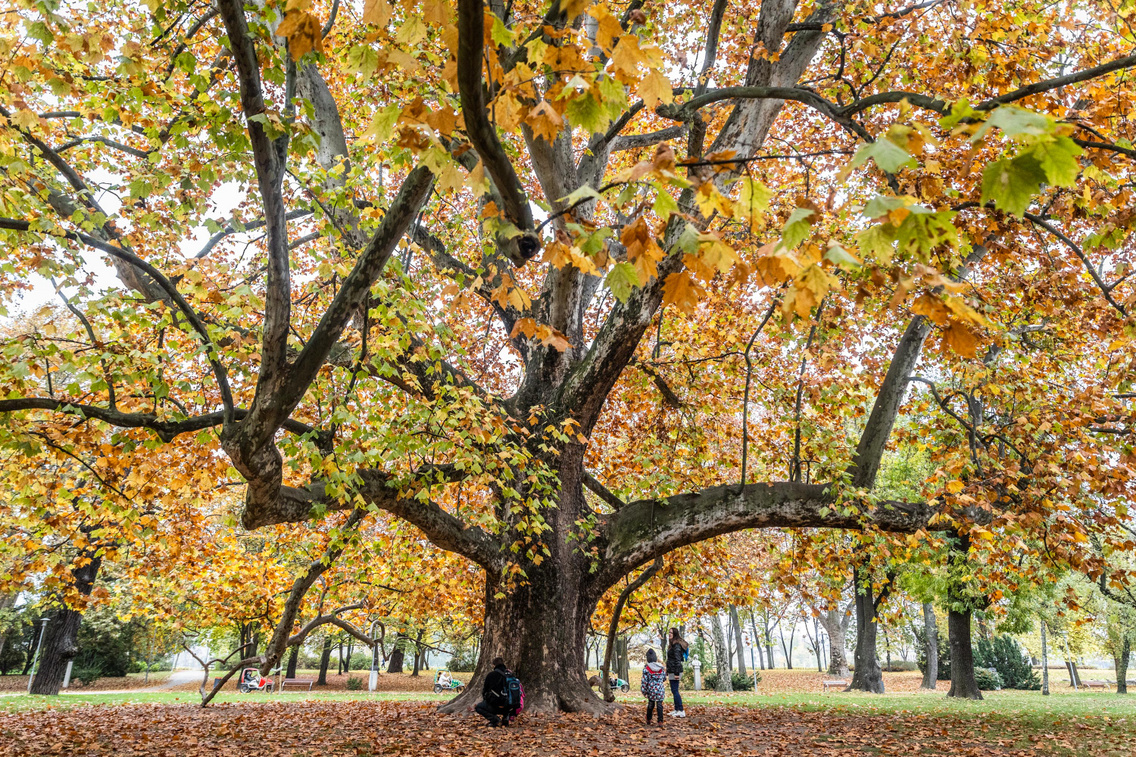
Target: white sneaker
{"type": "Point", "coordinates": [680, 713]}
{"type": "Point", "coordinates": [675, 713]}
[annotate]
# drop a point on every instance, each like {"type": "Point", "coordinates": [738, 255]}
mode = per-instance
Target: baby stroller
{"type": "Point", "coordinates": [444, 682]}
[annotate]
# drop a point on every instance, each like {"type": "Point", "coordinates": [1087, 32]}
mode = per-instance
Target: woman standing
{"type": "Point", "coordinates": [676, 652]}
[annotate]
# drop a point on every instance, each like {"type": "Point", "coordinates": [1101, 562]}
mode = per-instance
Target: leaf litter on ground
{"type": "Point", "coordinates": [368, 729]}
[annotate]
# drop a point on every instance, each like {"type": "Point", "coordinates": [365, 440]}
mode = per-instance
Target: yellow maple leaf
{"type": "Point", "coordinates": [627, 59]}
{"type": "Point", "coordinates": [681, 290]}
{"type": "Point", "coordinates": [961, 339]}
{"type": "Point", "coordinates": [545, 122]}
{"type": "Point", "coordinates": [303, 32]}
{"type": "Point", "coordinates": [655, 88]}
{"type": "Point", "coordinates": [508, 110]}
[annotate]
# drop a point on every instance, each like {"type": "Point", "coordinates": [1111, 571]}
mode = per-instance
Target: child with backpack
{"type": "Point", "coordinates": [652, 685]}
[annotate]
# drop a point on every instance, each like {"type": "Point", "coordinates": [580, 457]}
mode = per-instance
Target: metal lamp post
{"type": "Point", "coordinates": [35, 660]}
{"type": "Point", "coordinates": [374, 682]}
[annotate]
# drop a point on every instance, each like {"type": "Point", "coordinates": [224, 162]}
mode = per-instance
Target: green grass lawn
{"type": "Point", "coordinates": [1013, 704]}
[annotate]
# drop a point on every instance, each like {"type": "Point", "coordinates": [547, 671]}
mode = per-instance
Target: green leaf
{"type": "Point", "coordinates": [881, 205]}
{"type": "Point", "coordinates": [889, 156]}
{"type": "Point", "coordinates": [923, 230]}
{"type": "Point", "coordinates": [837, 254]}
{"type": "Point", "coordinates": [1058, 158]}
{"type": "Point", "coordinates": [1011, 184]}
{"type": "Point", "coordinates": [500, 33]}
{"type": "Point", "coordinates": [959, 111]}
{"type": "Point", "coordinates": [878, 241]}
{"type": "Point", "coordinates": [621, 279]}
{"type": "Point", "coordinates": [586, 112]}
{"type": "Point", "coordinates": [1014, 122]}
{"type": "Point", "coordinates": [797, 227]}
{"type": "Point", "coordinates": [664, 204]}
{"type": "Point", "coordinates": [362, 60]}
{"type": "Point", "coordinates": [586, 192]}
{"type": "Point", "coordinates": [382, 124]}
{"type": "Point", "coordinates": [755, 197]}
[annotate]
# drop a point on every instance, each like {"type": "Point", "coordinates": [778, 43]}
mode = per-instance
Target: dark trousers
{"type": "Point", "coordinates": [493, 714]}
{"type": "Point", "coordinates": [652, 706]}
{"type": "Point", "coordinates": [677, 697]}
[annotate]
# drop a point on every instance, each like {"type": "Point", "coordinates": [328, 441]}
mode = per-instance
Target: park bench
{"type": "Point", "coordinates": [1096, 684]}
{"type": "Point", "coordinates": [296, 682]}
{"type": "Point", "coordinates": [826, 685]}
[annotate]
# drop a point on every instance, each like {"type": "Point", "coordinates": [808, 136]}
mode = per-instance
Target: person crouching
{"type": "Point", "coordinates": [494, 704]}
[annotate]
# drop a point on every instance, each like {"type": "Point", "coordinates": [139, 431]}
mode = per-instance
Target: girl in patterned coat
{"type": "Point", "coordinates": [652, 685]}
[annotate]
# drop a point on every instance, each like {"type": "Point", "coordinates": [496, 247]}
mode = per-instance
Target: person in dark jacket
{"type": "Point", "coordinates": [675, 649]}
{"type": "Point", "coordinates": [494, 704]}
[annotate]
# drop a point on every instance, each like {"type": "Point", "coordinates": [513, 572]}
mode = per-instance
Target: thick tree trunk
{"type": "Point", "coordinates": [293, 660]}
{"type": "Point", "coordinates": [325, 660]}
{"type": "Point", "coordinates": [867, 676]}
{"type": "Point", "coordinates": [736, 622]}
{"type": "Point", "coordinates": [963, 685]}
{"type": "Point", "coordinates": [931, 647]}
{"type": "Point", "coordinates": [60, 644]}
{"type": "Point", "coordinates": [539, 630]}
{"type": "Point", "coordinates": [539, 627]}
{"type": "Point", "coordinates": [1122, 666]}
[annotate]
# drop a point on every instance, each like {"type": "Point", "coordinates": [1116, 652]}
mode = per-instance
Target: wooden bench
{"type": "Point", "coordinates": [296, 682]}
{"type": "Point", "coordinates": [1096, 684]}
{"type": "Point", "coordinates": [826, 685]}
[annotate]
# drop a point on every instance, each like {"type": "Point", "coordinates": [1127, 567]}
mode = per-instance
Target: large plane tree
{"type": "Point", "coordinates": [567, 287]}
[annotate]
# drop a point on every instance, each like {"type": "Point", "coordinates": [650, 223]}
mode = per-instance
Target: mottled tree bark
{"type": "Point", "coordinates": [835, 624]}
{"type": "Point", "coordinates": [721, 656]}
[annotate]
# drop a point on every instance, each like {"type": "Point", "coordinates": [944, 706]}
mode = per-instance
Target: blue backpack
{"type": "Point", "coordinates": [514, 693]}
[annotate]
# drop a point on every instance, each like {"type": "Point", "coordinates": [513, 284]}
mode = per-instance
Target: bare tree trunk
{"type": "Point", "coordinates": [963, 684]}
{"type": "Point", "coordinates": [757, 638]}
{"type": "Point", "coordinates": [931, 647]}
{"type": "Point", "coordinates": [788, 650]}
{"type": "Point", "coordinates": [325, 660]}
{"type": "Point", "coordinates": [398, 654]}
{"type": "Point", "coordinates": [1044, 661]}
{"type": "Point", "coordinates": [61, 643]}
{"type": "Point", "coordinates": [293, 660]}
{"type": "Point", "coordinates": [1122, 665]}
{"type": "Point", "coordinates": [736, 623]}
{"type": "Point", "coordinates": [417, 654]}
{"type": "Point", "coordinates": [867, 676]}
{"type": "Point", "coordinates": [721, 656]}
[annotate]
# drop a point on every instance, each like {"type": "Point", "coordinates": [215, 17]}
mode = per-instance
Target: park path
{"type": "Point", "coordinates": [177, 678]}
